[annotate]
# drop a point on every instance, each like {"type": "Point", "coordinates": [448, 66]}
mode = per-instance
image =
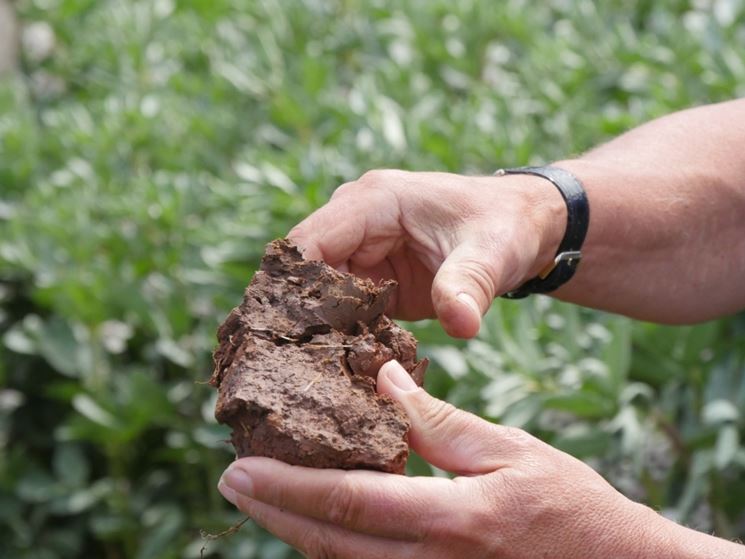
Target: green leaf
{"type": "Point", "coordinates": [727, 445]}
{"type": "Point", "coordinates": [581, 404]}
{"type": "Point", "coordinates": [617, 354]}
{"type": "Point", "coordinates": [720, 411]}
{"type": "Point", "coordinates": [524, 411]}
{"type": "Point", "coordinates": [59, 345]}
{"type": "Point", "coordinates": [38, 487]}
{"type": "Point", "coordinates": [90, 409]}
{"type": "Point", "coordinates": [451, 359]}
{"type": "Point", "coordinates": [417, 466]}
{"type": "Point", "coordinates": [70, 465]}
{"type": "Point", "coordinates": [161, 535]}
{"type": "Point", "coordinates": [19, 341]}
{"type": "Point", "coordinates": [81, 500]}
{"type": "Point", "coordinates": [583, 441]}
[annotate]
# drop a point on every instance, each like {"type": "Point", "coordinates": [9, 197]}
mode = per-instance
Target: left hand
{"type": "Point", "coordinates": [515, 497]}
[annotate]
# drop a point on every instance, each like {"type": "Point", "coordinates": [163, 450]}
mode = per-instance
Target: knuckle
{"type": "Point", "coordinates": [482, 276]}
{"type": "Point", "coordinates": [297, 232]}
{"type": "Point", "coordinates": [483, 279]}
{"type": "Point", "coordinates": [466, 529]}
{"type": "Point", "coordinates": [477, 273]}
{"type": "Point", "coordinates": [380, 177]}
{"type": "Point", "coordinates": [342, 189]}
{"type": "Point", "coordinates": [437, 413]}
{"type": "Point", "coordinates": [343, 505]}
{"type": "Point", "coordinates": [317, 545]}
{"type": "Point", "coordinates": [517, 439]}
{"type": "Point", "coordinates": [276, 495]}
{"type": "Point", "coordinates": [255, 513]}
{"type": "Point", "coordinates": [484, 502]}
{"type": "Point", "coordinates": [371, 177]}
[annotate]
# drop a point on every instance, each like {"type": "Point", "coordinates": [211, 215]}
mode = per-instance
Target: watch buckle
{"type": "Point", "coordinates": [568, 256]}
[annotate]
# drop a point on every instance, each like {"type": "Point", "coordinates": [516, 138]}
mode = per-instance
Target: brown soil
{"type": "Point", "coordinates": [296, 365]}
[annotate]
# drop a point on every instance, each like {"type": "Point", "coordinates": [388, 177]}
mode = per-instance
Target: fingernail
{"type": "Point", "coordinates": [238, 480]}
{"type": "Point", "coordinates": [399, 377]}
{"type": "Point", "coordinates": [230, 495]}
{"type": "Point", "coordinates": [469, 301]}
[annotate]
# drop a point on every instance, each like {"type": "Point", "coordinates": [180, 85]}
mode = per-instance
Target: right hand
{"type": "Point", "coordinates": [515, 497]}
{"type": "Point", "coordinates": [452, 242]}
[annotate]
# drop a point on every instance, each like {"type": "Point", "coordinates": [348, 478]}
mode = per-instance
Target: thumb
{"type": "Point", "coordinates": [463, 289]}
{"type": "Point", "coordinates": [446, 437]}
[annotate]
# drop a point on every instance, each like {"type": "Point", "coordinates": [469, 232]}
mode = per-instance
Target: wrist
{"type": "Point", "coordinates": [658, 537]}
{"type": "Point", "coordinates": [653, 537]}
{"type": "Point", "coordinates": [546, 211]}
{"type": "Point", "coordinates": [624, 529]}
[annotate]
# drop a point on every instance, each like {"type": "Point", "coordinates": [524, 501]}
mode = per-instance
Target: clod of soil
{"type": "Point", "coordinates": [296, 366]}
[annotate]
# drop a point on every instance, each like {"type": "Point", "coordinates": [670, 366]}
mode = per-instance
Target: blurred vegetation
{"type": "Point", "coordinates": [149, 149]}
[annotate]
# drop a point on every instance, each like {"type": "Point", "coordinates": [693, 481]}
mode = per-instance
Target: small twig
{"type": "Point", "coordinates": [211, 537]}
{"type": "Point", "coordinates": [311, 383]}
{"type": "Point", "coordinates": [246, 429]}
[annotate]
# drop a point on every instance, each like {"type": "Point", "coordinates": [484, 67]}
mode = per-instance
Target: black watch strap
{"type": "Point", "coordinates": [569, 254]}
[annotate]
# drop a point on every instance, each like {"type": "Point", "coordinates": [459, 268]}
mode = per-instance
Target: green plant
{"type": "Point", "coordinates": [145, 162]}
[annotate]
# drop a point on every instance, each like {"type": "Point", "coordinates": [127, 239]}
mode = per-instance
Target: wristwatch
{"type": "Point", "coordinates": [569, 254]}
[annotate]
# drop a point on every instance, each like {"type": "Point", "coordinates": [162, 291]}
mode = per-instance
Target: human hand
{"type": "Point", "coordinates": [515, 497]}
{"type": "Point", "coordinates": [452, 242]}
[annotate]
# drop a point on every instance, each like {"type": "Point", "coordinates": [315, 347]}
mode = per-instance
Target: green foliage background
{"type": "Point", "coordinates": [146, 160]}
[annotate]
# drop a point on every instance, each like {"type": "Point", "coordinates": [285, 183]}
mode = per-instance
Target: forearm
{"type": "Point", "coordinates": [666, 240]}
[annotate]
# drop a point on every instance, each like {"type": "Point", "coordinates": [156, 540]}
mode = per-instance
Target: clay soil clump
{"type": "Point", "coordinates": [296, 366]}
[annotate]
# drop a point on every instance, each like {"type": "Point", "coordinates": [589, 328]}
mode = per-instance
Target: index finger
{"type": "Point", "coordinates": [374, 503]}
{"type": "Point", "coordinates": [332, 233]}
{"type": "Point", "coordinates": [360, 225]}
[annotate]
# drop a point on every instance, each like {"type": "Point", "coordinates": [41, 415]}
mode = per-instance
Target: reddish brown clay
{"type": "Point", "coordinates": [296, 366]}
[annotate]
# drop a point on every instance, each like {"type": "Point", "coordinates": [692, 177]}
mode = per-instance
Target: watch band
{"type": "Point", "coordinates": [569, 254]}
